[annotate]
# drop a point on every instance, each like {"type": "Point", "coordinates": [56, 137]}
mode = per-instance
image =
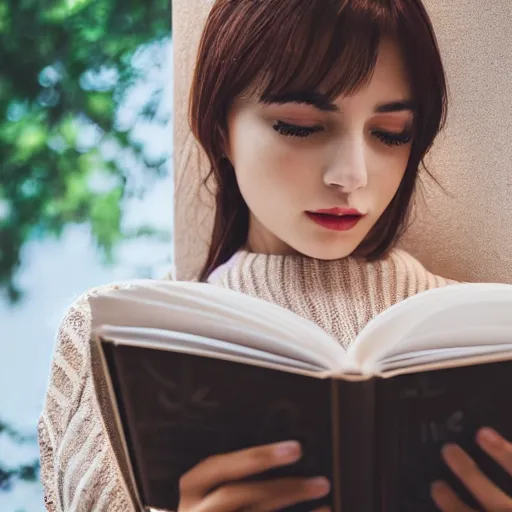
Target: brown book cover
{"type": "Point", "coordinates": [193, 370]}
{"type": "Point", "coordinates": [377, 440]}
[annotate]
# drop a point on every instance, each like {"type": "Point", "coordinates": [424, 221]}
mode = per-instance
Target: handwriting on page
{"type": "Point", "coordinates": [185, 401]}
{"type": "Point", "coordinates": [423, 388]}
{"type": "Point", "coordinates": [424, 411]}
{"type": "Point", "coordinates": [442, 430]}
{"type": "Point", "coordinates": [433, 430]}
{"type": "Point", "coordinates": [443, 409]}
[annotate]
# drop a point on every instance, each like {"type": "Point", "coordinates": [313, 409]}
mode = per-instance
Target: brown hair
{"type": "Point", "coordinates": [289, 45]}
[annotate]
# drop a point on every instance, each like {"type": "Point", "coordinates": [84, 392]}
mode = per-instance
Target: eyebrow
{"type": "Point", "coordinates": [323, 103]}
{"type": "Point", "coordinates": [396, 106]}
{"type": "Point", "coordinates": [315, 99]}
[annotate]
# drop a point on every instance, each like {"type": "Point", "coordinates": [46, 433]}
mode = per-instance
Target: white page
{"type": "Point", "coordinates": [443, 354]}
{"type": "Point", "coordinates": [456, 316]}
{"type": "Point", "coordinates": [205, 310]}
{"type": "Point", "coordinates": [442, 364]}
{"type": "Point", "coordinates": [191, 344]}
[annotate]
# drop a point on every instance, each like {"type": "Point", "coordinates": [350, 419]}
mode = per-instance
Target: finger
{"type": "Point", "coordinates": [489, 496]}
{"type": "Point", "coordinates": [497, 447]}
{"type": "Point", "coordinates": [265, 496]}
{"type": "Point", "coordinates": [220, 469]}
{"type": "Point", "coordinates": [446, 500]}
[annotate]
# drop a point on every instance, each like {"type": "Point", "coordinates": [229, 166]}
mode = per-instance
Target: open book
{"type": "Point", "coordinates": [194, 370]}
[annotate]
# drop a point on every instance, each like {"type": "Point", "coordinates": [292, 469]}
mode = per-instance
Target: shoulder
{"type": "Point", "coordinates": [72, 343]}
{"type": "Point", "coordinates": [71, 355]}
{"type": "Point", "coordinates": [78, 315]}
{"type": "Point", "coordinates": [73, 436]}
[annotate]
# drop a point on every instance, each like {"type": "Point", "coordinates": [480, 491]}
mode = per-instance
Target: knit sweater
{"type": "Point", "coordinates": [82, 467]}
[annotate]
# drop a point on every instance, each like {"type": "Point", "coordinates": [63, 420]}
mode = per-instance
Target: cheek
{"type": "Point", "coordinates": [266, 165]}
{"type": "Point", "coordinates": [386, 174]}
{"type": "Point", "coordinates": [389, 172]}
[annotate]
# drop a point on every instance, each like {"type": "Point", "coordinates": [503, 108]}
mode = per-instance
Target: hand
{"type": "Point", "coordinates": [214, 485]}
{"type": "Point", "coordinates": [486, 493]}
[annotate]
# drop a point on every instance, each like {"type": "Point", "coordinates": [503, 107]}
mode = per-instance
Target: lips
{"type": "Point", "coordinates": [339, 211]}
{"type": "Point", "coordinates": [336, 219]}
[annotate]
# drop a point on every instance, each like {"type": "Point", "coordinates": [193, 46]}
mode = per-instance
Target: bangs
{"type": "Point", "coordinates": [317, 45]}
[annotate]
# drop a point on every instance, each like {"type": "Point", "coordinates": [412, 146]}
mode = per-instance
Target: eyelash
{"type": "Point", "coordinates": [393, 139]}
{"type": "Point", "coordinates": [292, 130]}
{"type": "Point", "coordinates": [390, 139]}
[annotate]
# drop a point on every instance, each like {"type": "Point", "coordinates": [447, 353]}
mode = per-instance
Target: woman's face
{"type": "Point", "coordinates": [317, 175]}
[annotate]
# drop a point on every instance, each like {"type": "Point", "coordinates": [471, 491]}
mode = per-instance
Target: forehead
{"type": "Point", "coordinates": [390, 76]}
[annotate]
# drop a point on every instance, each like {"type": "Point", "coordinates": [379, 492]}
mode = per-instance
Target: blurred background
{"type": "Point", "coordinates": [86, 186]}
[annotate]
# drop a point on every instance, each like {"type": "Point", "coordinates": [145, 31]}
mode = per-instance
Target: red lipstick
{"type": "Point", "coordinates": [337, 219]}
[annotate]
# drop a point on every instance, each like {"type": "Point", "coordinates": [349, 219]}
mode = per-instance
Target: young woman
{"type": "Point", "coordinates": [315, 116]}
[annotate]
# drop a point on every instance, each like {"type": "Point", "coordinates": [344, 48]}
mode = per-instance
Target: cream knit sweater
{"type": "Point", "coordinates": [81, 464]}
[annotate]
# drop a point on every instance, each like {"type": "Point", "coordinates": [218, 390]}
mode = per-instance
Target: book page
{"type": "Point", "coordinates": [161, 339]}
{"type": "Point", "coordinates": [429, 364]}
{"type": "Point", "coordinates": [212, 312]}
{"type": "Point", "coordinates": [454, 355]}
{"type": "Point", "coordinates": [449, 323]}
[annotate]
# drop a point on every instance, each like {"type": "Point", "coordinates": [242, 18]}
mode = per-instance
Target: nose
{"type": "Point", "coordinates": [347, 170]}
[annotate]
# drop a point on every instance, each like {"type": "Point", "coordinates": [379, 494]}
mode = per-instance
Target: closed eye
{"type": "Point", "coordinates": [393, 139]}
{"type": "Point", "coordinates": [293, 130]}
{"type": "Point", "coordinates": [388, 138]}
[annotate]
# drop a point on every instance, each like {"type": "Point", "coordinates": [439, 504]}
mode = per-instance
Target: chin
{"type": "Point", "coordinates": [327, 245]}
{"type": "Point", "coordinates": [327, 252]}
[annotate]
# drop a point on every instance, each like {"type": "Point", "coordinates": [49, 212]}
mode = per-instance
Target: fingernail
{"type": "Point", "coordinates": [288, 451]}
{"type": "Point", "coordinates": [456, 458]}
{"type": "Point", "coordinates": [490, 437]}
{"type": "Point", "coordinates": [439, 488]}
{"type": "Point", "coordinates": [318, 487]}
{"type": "Point", "coordinates": [450, 451]}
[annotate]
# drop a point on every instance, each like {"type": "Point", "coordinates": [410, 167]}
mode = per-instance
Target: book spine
{"type": "Point", "coordinates": [354, 445]}
{"type": "Point", "coordinates": [127, 416]}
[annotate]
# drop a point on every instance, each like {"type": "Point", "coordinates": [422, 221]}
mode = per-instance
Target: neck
{"type": "Point", "coordinates": [261, 241]}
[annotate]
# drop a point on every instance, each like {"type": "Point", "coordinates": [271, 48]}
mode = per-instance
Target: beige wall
{"type": "Point", "coordinates": [464, 234]}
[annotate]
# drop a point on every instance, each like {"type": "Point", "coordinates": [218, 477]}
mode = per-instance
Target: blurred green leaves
{"type": "Point", "coordinates": [66, 67]}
